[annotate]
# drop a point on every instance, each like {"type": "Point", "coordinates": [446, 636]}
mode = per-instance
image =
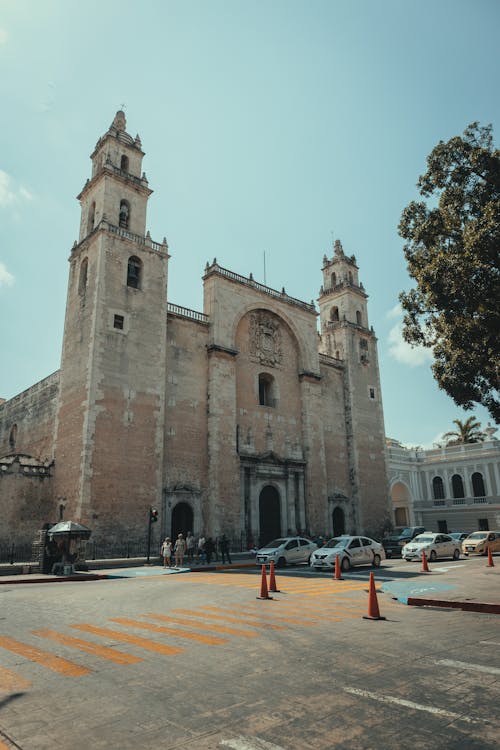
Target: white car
{"type": "Point", "coordinates": [289, 550]}
{"type": "Point", "coordinates": [352, 550]}
{"type": "Point", "coordinates": [434, 545]}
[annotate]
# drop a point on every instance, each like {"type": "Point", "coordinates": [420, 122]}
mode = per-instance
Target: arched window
{"type": "Point", "coordinates": [124, 218]}
{"type": "Point", "coordinates": [333, 280]}
{"type": "Point", "coordinates": [124, 163]}
{"type": "Point", "coordinates": [334, 313]}
{"type": "Point", "coordinates": [13, 437]}
{"type": "Point", "coordinates": [91, 218]}
{"type": "Point", "coordinates": [478, 485]}
{"type": "Point", "coordinates": [457, 486]}
{"type": "Point", "coordinates": [438, 488]}
{"type": "Point", "coordinates": [82, 280]}
{"type": "Point", "coordinates": [350, 277]}
{"type": "Point", "coordinates": [134, 272]}
{"type": "Point", "coordinates": [358, 317]}
{"type": "Point", "coordinates": [267, 390]}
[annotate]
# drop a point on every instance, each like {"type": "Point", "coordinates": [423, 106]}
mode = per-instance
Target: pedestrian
{"type": "Point", "coordinates": [190, 547]}
{"type": "Point", "coordinates": [201, 549]}
{"type": "Point", "coordinates": [180, 549]}
{"type": "Point", "coordinates": [166, 552]}
{"type": "Point", "coordinates": [224, 549]}
{"type": "Point", "coordinates": [209, 549]}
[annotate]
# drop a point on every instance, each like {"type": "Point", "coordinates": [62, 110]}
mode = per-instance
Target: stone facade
{"type": "Point", "coordinates": [244, 419]}
{"type": "Point", "coordinates": [452, 488]}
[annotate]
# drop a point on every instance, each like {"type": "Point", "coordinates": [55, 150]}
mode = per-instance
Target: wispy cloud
{"type": "Point", "coordinates": [11, 194]}
{"type": "Point", "coordinates": [3, 36]}
{"type": "Point", "coordinates": [399, 349]}
{"type": "Point", "coordinates": [6, 278]}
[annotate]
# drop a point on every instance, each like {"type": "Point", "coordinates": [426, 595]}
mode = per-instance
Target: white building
{"type": "Point", "coordinates": [452, 488]}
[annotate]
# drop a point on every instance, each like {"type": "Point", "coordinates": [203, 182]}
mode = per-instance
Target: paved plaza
{"type": "Point", "coordinates": [198, 661]}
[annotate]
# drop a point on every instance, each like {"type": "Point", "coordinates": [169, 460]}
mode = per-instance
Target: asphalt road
{"type": "Point", "coordinates": [197, 661]}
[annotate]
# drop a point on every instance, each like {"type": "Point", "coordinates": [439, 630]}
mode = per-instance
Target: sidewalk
{"type": "Point", "coordinates": [117, 568]}
{"type": "Point", "coordinates": [466, 585]}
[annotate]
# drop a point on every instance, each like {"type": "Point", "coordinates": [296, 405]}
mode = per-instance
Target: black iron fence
{"type": "Point", "coordinates": [14, 553]}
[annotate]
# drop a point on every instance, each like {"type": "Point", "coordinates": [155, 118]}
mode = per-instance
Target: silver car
{"type": "Point", "coordinates": [351, 550]}
{"type": "Point", "coordinates": [288, 550]}
{"type": "Point", "coordinates": [434, 546]}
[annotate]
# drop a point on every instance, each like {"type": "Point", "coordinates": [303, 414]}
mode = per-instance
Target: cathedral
{"type": "Point", "coordinates": [247, 419]}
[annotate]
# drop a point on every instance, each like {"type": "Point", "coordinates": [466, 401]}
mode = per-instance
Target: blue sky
{"type": "Point", "coordinates": [267, 126]}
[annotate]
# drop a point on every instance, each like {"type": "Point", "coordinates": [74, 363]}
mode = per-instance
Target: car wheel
{"type": "Point", "coordinates": [281, 562]}
{"type": "Point", "coordinates": [456, 554]}
{"type": "Point", "coordinates": [376, 561]}
{"type": "Point", "coordinates": [345, 564]}
{"type": "Point", "coordinates": [432, 556]}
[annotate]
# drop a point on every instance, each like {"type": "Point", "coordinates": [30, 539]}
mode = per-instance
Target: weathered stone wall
{"type": "Point", "coordinates": [26, 498]}
{"type": "Point", "coordinates": [33, 412]}
{"type": "Point", "coordinates": [111, 420]}
{"type": "Point", "coordinates": [185, 451]}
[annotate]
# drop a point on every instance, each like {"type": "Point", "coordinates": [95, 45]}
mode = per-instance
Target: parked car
{"type": "Point", "coordinates": [288, 550]}
{"type": "Point", "coordinates": [434, 546]}
{"type": "Point", "coordinates": [399, 536]}
{"type": "Point", "coordinates": [477, 543]}
{"type": "Point", "coordinates": [352, 550]}
{"type": "Point", "coordinates": [459, 535]}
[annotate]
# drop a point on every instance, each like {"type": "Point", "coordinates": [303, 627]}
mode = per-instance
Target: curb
{"type": "Point", "coordinates": [57, 579]}
{"type": "Point", "coordinates": [492, 609]}
{"type": "Point", "coordinates": [101, 576]}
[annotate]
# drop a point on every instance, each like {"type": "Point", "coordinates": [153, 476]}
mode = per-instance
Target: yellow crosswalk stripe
{"type": "Point", "coordinates": [197, 613]}
{"type": "Point", "coordinates": [202, 626]}
{"type": "Point", "coordinates": [158, 648]}
{"type": "Point", "coordinates": [10, 681]}
{"type": "Point", "coordinates": [91, 648]}
{"type": "Point", "coordinates": [255, 613]}
{"type": "Point", "coordinates": [208, 639]}
{"type": "Point", "coordinates": [55, 663]}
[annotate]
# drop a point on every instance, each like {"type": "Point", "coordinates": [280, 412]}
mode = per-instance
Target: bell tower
{"type": "Point", "coordinates": [347, 336]}
{"type": "Point", "coordinates": [109, 438]}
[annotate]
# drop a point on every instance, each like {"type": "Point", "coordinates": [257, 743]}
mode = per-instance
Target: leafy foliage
{"type": "Point", "coordinates": [452, 250]}
{"type": "Point", "coordinates": [467, 432]}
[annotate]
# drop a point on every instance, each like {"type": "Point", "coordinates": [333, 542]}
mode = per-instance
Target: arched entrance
{"type": "Point", "coordinates": [400, 497]}
{"type": "Point", "coordinates": [269, 515]}
{"type": "Point", "coordinates": [338, 519]}
{"type": "Point", "coordinates": [182, 519]}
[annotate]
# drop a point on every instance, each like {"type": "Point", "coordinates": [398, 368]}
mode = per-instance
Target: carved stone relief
{"type": "Point", "coordinates": [265, 339]}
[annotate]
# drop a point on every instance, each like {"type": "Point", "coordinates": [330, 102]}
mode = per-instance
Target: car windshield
{"type": "Point", "coordinates": [275, 543]}
{"type": "Point", "coordinates": [338, 542]}
{"type": "Point", "coordinates": [396, 533]}
{"type": "Point", "coordinates": [478, 535]}
{"type": "Point", "coordinates": [422, 539]}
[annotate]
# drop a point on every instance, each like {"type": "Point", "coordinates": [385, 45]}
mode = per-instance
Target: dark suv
{"type": "Point", "coordinates": [398, 537]}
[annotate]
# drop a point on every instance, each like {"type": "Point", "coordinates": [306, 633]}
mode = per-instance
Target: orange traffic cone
{"type": "Point", "coordinates": [272, 579]}
{"type": "Point", "coordinates": [337, 575]}
{"type": "Point", "coordinates": [425, 567]}
{"type": "Point", "coordinates": [491, 564]}
{"type": "Point", "coordinates": [263, 586]}
{"type": "Point", "coordinates": [373, 610]}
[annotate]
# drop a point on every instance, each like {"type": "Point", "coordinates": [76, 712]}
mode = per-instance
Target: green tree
{"type": "Point", "coordinates": [452, 250]}
{"type": "Point", "coordinates": [467, 432]}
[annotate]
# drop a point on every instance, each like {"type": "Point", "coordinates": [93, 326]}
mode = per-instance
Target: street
{"type": "Point", "coordinates": [196, 660]}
